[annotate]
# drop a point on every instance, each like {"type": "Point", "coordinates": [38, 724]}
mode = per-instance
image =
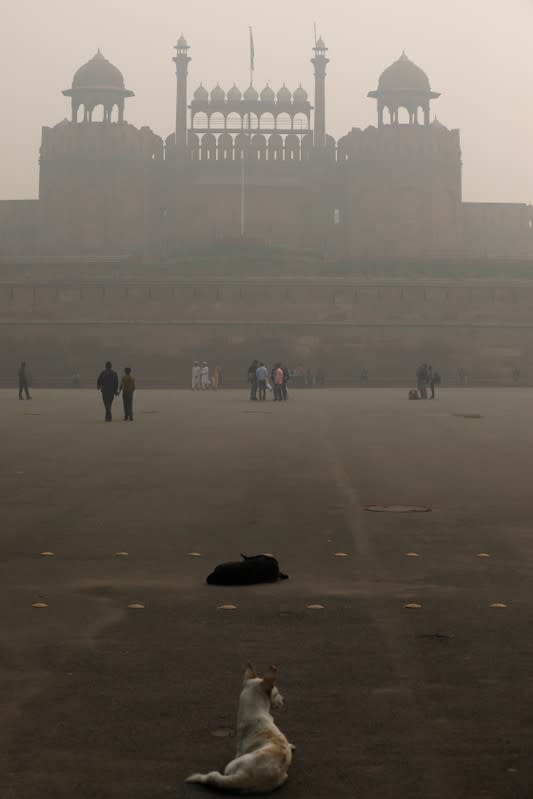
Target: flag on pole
{"type": "Point", "coordinates": [252, 51]}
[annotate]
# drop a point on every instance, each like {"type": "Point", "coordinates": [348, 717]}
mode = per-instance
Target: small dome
{"type": "Point", "coordinates": [284, 95]}
{"type": "Point", "coordinates": [234, 94]}
{"type": "Point", "coordinates": [404, 75]}
{"type": "Point", "coordinates": [201, 93]}
{"type": "Point", "coordinates": [268, 95]}
{"type": "Point", "coordinates": [300, 95]}
{"type": "Point", "coordinates": [251, 94]}
{"type": "Point", "coordinates": [98, 73]}
{"type": "Point", "coordinates": [218, 95]}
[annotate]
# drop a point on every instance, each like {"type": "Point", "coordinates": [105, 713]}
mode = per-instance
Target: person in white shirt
{"type": "Point", "coordinates": [196, 376]}
{"type": "Point", "coordinates": [204, 375]}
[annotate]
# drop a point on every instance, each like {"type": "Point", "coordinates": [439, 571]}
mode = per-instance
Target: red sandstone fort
{"type": "Point", "coordinates": [390, 191]}
{"type": "Point", "coordinates": [356, 253]}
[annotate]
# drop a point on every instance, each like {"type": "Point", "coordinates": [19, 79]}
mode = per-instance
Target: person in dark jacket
{"type": "Point", "coordinates": [108, 384]}
{"type": "Point", "coordinates": [23, 381]}
{"type": "Point", "coordinates": [252, 379]}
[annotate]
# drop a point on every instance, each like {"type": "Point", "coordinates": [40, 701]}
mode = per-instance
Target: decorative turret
{"type": "Point", "coordinates": [251, 94]}
{"type": "Point", "coordinates": [284, 95]}
{"type": "Point", "coordinates": [234, 94]}
{"type": "Point", "coordinates": [98, 82]}
{"type": "Point", "coordinates": [268, 95]}
{"type": "Point", "coordinates": [404, 85]}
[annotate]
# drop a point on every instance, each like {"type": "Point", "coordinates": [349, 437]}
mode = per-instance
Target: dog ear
{"type": "Point", "coordinates": [269, 678]}
{"type": "Point", "coordinates": [250, 673]}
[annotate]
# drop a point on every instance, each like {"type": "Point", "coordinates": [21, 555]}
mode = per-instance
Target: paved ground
{"type": "Point", "coordinates": [103, 702]}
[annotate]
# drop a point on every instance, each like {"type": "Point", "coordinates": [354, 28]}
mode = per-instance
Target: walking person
{"type": "Point", "coordinates": [204, 376]}
{"type": "Point", "coordinates": [435, 381]}
{"type": "Point", "coordinates": [262, 378]}
{"type": "Point", "coordinates": [107, 384]}
{"type": "Point", "coordinates": [195, 376]}
{"type": "Point", "coordinates": [252, 379]}
{"type": "Point", "coordinates": [127, 387]}
{"type": "Point", "coordinates": [23, 380]}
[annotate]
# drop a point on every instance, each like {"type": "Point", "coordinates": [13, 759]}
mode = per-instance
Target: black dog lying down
{"type": "Point", "coordinates": [249, 570]}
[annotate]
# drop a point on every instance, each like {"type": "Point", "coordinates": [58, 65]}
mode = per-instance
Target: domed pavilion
{"type": "Point", "coordinates": [98, 82]}
{"type": "Point", "coordinates": [404, 85]}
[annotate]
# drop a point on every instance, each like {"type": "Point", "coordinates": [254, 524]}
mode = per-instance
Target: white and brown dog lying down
{"type": "Point", "coordinates": [263, 753]}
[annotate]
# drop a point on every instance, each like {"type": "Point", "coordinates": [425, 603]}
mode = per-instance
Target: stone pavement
{"type": "Point", "coordinates": [382, 700]}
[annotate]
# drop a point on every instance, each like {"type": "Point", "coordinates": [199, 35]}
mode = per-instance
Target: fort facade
{"type": "Point", "coordinates": [257, 165]}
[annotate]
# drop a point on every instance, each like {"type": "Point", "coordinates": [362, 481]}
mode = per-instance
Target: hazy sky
{"type": "Point", "coordinates": [478, 53]}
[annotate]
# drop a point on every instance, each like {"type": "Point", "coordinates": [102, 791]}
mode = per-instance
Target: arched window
{"type": "Point", "coordinates": [275, 147]}
{"type": "Point", "coordinates": [292, 148]}
{"type": "Point", "coordinates": [307, 146]}
{"type": "Point", "coordinates": [283, 122]}
{"type": "Point", "coordinates": [200, 121]}
{"type": "Point", "coordinates": [404, 117]}
{"type": "Point", "coordinates": [208, 147]}
{"type": "Point", "coordinates": [267, 121]}
{"type": "Point", "coordinates": [225, 147]}
{"type": "Point", "coordinates": [194, 146]}
{"type": "Point", "coordinates": [250, 121]}
{"type": "Point", "coordinates": [217, 121]}
{"type": "Point", "coordinates": [300, 122]}
{"type": "Point", "coordinates": [241, 146]}
{"type": "Point", "coordinates": [259, 147]}
{"type": "Point", "coordinates": [234, 121]}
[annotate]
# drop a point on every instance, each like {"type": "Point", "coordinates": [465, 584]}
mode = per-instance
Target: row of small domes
{"type": "Point", "coordinates": [268, 95]}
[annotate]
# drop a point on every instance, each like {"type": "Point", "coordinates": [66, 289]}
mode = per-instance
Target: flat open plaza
{"type": "Point", "coordinates": [103, 701]}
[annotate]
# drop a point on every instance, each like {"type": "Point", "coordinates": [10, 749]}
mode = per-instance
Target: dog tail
{"type": "Point", "coordinates": [224, 782]}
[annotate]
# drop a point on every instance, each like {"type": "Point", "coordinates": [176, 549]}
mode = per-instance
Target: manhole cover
{"type": "Point", "coordinates": [398, 508]}
{"type": "Point", "coordinates": [223, 732]}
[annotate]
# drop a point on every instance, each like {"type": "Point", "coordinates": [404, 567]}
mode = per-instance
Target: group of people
{"type": "Point", "coordinates": [110, 388]}
{"type": "Point", "coordinates": [258, 378]}
{"type": "Point", "coordinates": [202, 380]}
{"type": "Point", "coordinates": [426, 378]}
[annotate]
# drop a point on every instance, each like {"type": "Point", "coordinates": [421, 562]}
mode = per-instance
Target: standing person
{"type": "Point", "coordinates": [108, 384]}
{"type": "Point", "coordinates": [127, 386]}
{"type": "Point", "coordinates": [204, 376]}
{"type": "Point", "coordinates": [422, 380]}
{"type": "Point", "coordinates": [252, 379]}
{"type": "Point", "coordinates": [278, 383]}
{"type": "Point", "coordinates": [23, 380]}
{"type": "Point", "coordinates": [430, 382]}
{"type": "Point", "coordinates": [435, 381]}
{"type": "Point", "coordinates": [262, 377]}
{"type": "Point", "coordinates": [215, 378]}
{"type": "Point", "coordinates": [195, 376]}
{"type": "Point", "coordinates": [284, 385]}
